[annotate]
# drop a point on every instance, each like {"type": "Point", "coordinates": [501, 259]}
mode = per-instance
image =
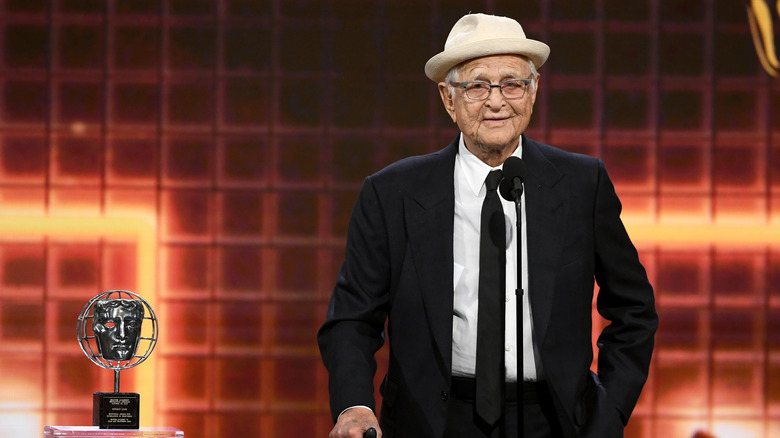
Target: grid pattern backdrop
{"type": "Point", "coordinates": [233, 135]}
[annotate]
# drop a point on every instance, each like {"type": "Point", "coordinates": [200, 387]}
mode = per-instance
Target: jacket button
{"type": "Point", "coordinates": [444, 396]}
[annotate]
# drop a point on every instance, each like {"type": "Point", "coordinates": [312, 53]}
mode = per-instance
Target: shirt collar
{"type": "Point", "coordinates": [475, 171]}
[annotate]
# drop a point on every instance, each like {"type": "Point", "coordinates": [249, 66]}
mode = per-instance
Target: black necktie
{"type": "Point", "coordinates": [490, 313]}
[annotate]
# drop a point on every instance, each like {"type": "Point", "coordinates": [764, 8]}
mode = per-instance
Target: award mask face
{"type": "Point", "coordinates": [117, 327]}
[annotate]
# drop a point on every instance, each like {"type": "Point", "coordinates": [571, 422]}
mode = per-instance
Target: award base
{"type": "Point", "coordinates": [116, 410]}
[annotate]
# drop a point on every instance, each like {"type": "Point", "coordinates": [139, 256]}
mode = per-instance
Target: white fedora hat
{"type": "Point", "coordinates": [478, 35]}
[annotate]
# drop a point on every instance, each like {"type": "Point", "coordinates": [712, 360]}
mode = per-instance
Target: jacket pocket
{"type": "Point", "coordinates": [595, 415]}
{"type": "Point", "coordinates": [587, 403]}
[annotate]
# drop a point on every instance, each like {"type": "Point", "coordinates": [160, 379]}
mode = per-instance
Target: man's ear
{"type": "Point", "coordinates": [447, 100]}
{"type": "Point", "coordinates": [536, 88]}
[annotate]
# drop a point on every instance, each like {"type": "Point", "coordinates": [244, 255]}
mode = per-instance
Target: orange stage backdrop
{"type": "Point", "coordinates": [206, 154]}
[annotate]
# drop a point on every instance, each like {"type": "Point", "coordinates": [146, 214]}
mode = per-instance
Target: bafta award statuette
{"type": "Point", "coordinates": [111, 333]}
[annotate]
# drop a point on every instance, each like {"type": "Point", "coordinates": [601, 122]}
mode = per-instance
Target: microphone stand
{"type": "Point", "coordinates": [517, 192]}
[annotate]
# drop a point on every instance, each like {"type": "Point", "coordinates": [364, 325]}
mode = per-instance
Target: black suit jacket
{"type": "Point", "coordinates": [399, 269]}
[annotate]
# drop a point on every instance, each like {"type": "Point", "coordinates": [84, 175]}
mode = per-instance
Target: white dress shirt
{"type": "Point", "coordinates": [470, 174]}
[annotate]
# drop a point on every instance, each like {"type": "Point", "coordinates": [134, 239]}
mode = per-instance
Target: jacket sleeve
{"type": "Point", "coordinates": [625, 299]}
{"type": "Point", "coordinates": [354, 327]}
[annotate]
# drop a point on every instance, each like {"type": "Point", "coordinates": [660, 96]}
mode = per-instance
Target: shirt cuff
{"type": "Point", "coordinates": [353, 407]}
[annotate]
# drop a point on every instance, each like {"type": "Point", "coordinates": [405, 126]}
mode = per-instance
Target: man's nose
{"type": "Point", "coordinates": [495, 98]}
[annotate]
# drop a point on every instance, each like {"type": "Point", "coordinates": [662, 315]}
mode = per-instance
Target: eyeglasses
{"type": "Point", "coordinates": [480, 90]}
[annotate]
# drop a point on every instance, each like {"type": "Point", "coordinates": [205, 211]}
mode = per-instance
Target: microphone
{"type": "Point", "coordinates": [370, 433]}
{"type": "Point", "coordinates": [514, 172]}
{"type": "Point", "coordinates": [511, 189]}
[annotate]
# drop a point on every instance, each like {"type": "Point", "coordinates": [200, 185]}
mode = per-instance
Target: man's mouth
{"type": "Point", "coordinates": [494, 121]}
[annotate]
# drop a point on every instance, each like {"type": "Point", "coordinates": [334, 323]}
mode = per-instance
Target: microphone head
{"type": "Point", "coordinates": [514, 172]}
{"type": "Point", "coordinates": [514, 167]}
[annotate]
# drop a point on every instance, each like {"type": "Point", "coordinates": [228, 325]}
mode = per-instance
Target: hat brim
{"type": "Point", "coordinates": [437, 67]}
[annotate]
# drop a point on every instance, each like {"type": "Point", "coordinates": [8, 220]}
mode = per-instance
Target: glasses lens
{"type": "Point", "coordinates": [513, 89]}
{"type": "Point", "coordinates": [477, 90]}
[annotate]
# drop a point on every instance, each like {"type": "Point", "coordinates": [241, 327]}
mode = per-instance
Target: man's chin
{"type": "Point", "coordinates": [498, 142]}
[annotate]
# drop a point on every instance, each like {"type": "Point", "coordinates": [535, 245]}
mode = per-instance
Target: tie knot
{"type": "Point", "coordinates": [492, 180]}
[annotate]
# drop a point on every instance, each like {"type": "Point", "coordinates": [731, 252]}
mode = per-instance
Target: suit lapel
{"type": "Point", "coordinates": [546, 194]}
{"type": "Point", "coordinates": [429, 216]}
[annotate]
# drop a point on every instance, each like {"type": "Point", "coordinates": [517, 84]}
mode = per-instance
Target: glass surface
{"type": "Point", "coordinates": [94, 431]}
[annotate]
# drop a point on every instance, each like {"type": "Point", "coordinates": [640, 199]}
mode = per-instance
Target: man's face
{"type": "Point", "coordinates": [117, 331]}
{"type": "Point", "coordinates": [491, 127]}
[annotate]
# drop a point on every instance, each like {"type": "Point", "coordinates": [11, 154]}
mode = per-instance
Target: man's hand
{"type": "Point", "coordinates": [353, 422]}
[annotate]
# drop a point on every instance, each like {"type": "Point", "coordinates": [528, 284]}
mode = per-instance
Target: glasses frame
{"type": "Point", "coordinates": [490, 86]}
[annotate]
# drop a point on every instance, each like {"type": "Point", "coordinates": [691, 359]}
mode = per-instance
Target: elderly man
{"type": "Point", "coordinates": [433, 251]}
